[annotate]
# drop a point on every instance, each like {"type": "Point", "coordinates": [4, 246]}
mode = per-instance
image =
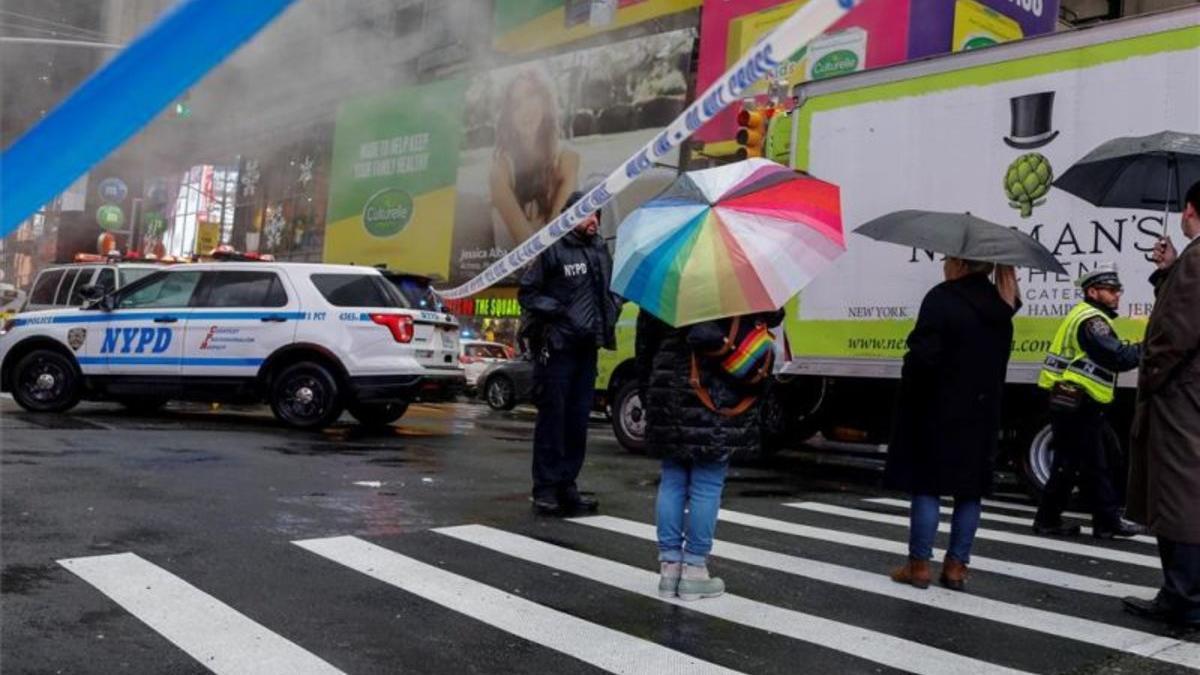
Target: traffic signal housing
{"type": "Point", "coordinates": [752, 132]}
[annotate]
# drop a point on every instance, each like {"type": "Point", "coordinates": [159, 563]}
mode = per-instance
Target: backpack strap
{"type": "Point", "coordinates": [706, 399]}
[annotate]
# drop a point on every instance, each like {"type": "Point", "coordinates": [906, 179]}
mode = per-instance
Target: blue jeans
{"type": "Point", "coordinates": [923, 525]}
{"type": "Point", "coordinates": [687, 537]}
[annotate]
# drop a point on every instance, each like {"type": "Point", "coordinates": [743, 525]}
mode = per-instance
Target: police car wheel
{"type": "Point", "coordinates": [377, 414]}
{"type": "Point", "coordinates": [46, 381]}
{"type": "Point", "coordinates": [305, 396]}
{"type": "Point", "coordinates": [500, 393]}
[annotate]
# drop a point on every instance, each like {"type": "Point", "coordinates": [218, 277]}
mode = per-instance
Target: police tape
{"type": "Point", "coordinates": [802, 27]}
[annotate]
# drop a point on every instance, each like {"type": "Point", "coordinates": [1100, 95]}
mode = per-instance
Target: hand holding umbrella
{"type": "Point", "coordinates": [1139, 172]}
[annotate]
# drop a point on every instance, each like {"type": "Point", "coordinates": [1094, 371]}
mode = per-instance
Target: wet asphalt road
{"type": "Point", "coordinates": [216, 499]}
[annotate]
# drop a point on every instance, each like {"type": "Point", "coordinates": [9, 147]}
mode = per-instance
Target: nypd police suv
{"type": "Point", "coordinates": [312, 340]}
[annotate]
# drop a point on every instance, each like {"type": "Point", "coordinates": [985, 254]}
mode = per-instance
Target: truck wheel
{"type": "Point", "coordinates": [305, 396]}
{"type": "Point", "coordinates": [1037, 459]}
{"type": "Point", "coordinates": [629, 418]}
{"type": "Point", "coordinates": [46, 381]}
{"type": "Point", "coordinates": [377, 414]}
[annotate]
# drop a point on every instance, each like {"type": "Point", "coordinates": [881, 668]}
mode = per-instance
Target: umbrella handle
{"type": "Point", "coordinates": [1172, 179]}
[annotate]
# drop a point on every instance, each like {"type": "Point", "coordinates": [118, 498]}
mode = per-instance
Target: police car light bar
{"type": "Point", "coordinates": [226, 253]}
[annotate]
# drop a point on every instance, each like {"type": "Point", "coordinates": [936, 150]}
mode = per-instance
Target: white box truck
{"type": "Point", "coordinates": [942, 134]}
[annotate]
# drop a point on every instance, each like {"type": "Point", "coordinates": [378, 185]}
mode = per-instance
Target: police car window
{"type": "Point", "coordinates": [416, 292]}
{"type": "Point", "coordinates": [84, 278]}
{"type": "Point", "coordinates": [64, 287]}
{"type": "Point", "coordinates": [244, 289]}
{"type": "Point", "coordinates": [171, 289]}
{"type": "Point", "coordinates": [132, 274]}
{"type": "Point", "coordinates": [357, 290]}
{"type": "Point", "coordinates": [45, 287]}
{"type": "Point", "coordinates": [106, 279]}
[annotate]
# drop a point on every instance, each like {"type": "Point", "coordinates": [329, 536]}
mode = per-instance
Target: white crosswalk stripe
{"type": "Point", "coordinates": [1050, 623]}
{"type": "Point", "coordinates": [218, 636]}
{"type": "Point", "coordinates": [1043, 575]}
{"type": "Point", "coordinates": [1001, 518]}
{"type": "Point", "coordinates": [1027, 508]}
{"type": "Point", "coordinates": [867, 644]}
{"type": "Point", "coordinates": [1045, 543]}
{"type": "Point", "coordinates": [602, 647]}
{"type": "Point", "coordinates": [818, 614]}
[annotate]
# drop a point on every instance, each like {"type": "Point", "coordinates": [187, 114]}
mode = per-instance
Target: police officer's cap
{"type": "Point", "coordinates": [1104, 274]}
{"type": "Point", "coordinates": [574, 197]}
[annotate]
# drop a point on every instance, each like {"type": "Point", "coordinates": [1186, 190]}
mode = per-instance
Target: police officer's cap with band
{"type": "Point", "coordinates": [1104, 274]}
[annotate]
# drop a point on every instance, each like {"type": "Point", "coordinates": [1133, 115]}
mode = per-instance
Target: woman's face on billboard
{"type": "Point", "coordinates": [527, 110]}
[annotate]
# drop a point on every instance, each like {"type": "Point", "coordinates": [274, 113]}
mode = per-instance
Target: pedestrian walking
{"type": "Point", "coordinates": [948, 418]}
{"type": "Point", "coordinates": [1080, 374]}
{"type": "Point", "coordinates": [1164, 479]}
{"type": "Point", "coordinates": [701, 386]}
{"type": "Point", "coordinates": [571, 316]}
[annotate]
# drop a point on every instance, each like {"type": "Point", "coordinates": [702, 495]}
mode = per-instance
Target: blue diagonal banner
{"type": "Point", "coordinates": [122, 97]}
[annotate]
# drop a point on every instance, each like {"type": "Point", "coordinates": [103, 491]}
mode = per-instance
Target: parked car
{"type": "Point", "coordinates": [309, 339]}
{"type": "Point", "coordinates": [478, 355]}
{"type": "Point", "coordinates": [505, 384]}
{"type": "Point", "coordinates": [11, 300]}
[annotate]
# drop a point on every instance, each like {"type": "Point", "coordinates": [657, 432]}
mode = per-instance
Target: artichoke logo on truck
{"type": "Point", "coordinates": [1028, 178]}
{"type": "Point", "coordinates": [387, 212]}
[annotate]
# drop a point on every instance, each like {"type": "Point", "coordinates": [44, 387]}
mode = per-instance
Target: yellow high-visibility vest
{"type": "Point", "coordinates": [1067, 362]}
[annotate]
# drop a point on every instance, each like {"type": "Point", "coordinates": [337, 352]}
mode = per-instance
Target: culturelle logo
{"type": "Point", "coordinates": [387, 212]}
{"type": "Point", "coordinates": [835, 63]}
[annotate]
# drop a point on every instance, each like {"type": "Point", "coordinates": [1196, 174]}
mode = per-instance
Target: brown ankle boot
{"type": "Point", "coordinates": [915, 572]}
{"type": "Point", "coordinates": [954, 574]}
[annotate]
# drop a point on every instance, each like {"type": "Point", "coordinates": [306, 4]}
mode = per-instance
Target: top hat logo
{"type": "Point", "coordinates": [1032, 121]}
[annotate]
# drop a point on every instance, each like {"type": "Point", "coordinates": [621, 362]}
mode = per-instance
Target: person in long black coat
{"type": "Point", "coordinates": [694, 442]}
{"type": "Point", "coordinates": [945, 437]}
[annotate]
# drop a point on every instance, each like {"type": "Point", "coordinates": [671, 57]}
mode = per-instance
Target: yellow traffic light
{"type": "Point", "coordinates": [751, 133]}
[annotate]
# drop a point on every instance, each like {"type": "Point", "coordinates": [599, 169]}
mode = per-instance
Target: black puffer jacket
{"type": "Point", "coordinates": [565, 293]}
{"type": "Point", "coordinates": [678, 425]}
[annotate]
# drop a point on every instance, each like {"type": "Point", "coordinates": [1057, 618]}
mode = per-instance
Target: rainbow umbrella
{"type": "Point", "coordinates": [740, 238]}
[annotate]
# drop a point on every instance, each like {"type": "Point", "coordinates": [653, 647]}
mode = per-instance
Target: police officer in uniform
{"type": "Point", "coordinates": [572, 315]}
{"type": "Point", "coordinates": [1080, 374]}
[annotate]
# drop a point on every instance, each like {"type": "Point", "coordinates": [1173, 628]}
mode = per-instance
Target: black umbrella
{"type": "Point", "coordinates": [962, 235]}
{"type": "Point", "coordinates": [1137, 172]}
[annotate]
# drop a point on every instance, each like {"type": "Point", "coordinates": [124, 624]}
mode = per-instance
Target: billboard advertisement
{"type": "Point", "coordinates": [872, 35]}
{"type": "Point", "coordinates": [521, 26]}
{"type": "Point", "coordinates": [933, 32]}
{"type": "Point", "coordinates": [445, 178]}
{"type": "Point", "coordinates": [391, 192]}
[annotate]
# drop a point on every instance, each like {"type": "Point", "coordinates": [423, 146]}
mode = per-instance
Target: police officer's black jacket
{"type": "Point", "coordinates": [565, 293]}
{"type": "Point", "coordinates": [1101, 344]}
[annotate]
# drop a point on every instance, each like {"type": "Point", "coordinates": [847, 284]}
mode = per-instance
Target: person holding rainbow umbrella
{"type": "Point", "coordinates": [711, 261]}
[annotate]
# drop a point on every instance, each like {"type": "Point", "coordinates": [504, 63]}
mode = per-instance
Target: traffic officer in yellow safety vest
{"type": "Point", "coordinates": [1080, 374]}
